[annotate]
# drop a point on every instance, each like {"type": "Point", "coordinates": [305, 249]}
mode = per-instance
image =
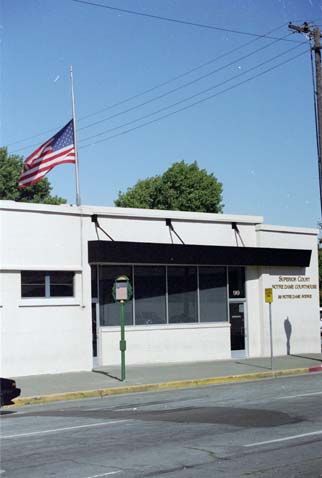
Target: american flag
{"type": "Point", "coordinates": [57, 150]}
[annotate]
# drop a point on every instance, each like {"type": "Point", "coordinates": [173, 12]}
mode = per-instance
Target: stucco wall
{"type": "Point", "coordinates": [295, 307]}
{"type": "Point", "coordinates": [173, 343]}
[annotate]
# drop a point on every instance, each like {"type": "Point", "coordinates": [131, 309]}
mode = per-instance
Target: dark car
{"type": "Point", "coordinates": [8, 391]}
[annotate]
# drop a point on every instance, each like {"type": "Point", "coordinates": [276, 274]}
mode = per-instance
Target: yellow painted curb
{"type": "Point", "coordinates": [155, 386]}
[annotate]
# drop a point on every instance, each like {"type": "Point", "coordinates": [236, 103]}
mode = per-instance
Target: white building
{"type": "Point", "coordinates": [198, 287]}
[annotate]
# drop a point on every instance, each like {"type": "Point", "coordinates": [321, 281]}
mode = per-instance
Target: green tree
{"type": "Point", "coordinates": [183, 187]}
{"type": "Point", "coordinates": [10, 169]}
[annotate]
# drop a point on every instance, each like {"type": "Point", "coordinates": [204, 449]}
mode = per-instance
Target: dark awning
{"type": "Point", "coordinates": [150, 253]}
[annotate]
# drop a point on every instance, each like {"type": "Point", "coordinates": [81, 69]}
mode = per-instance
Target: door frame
{"type": "Point", "coordinates": [240, 353]}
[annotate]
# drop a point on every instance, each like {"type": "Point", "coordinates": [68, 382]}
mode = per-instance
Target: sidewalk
{"type": "Point", "coordinates": [105, 380]}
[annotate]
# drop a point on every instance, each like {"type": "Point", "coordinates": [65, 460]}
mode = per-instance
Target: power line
{"type": "Point", "coordinates": [149, 90]}
{"type": "Point", "coordinates": [178, 88]}
{"type": "Point", "coordinates": [181, 101]}
{"type": "Point", "coordinates": [193, 104]}
{"type": "Point", "coordinates": [174, 20]}
{"type": "Point", "coordinates": [181, 75]}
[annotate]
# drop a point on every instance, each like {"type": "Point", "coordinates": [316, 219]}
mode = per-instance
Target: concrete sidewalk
{"type": "Point", "coordinates": [105, 380]}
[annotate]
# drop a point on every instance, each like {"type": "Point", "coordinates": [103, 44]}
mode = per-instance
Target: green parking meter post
{"type": "Point", "coordinates": [122, 292]}
{"type": "Point", "coordinates": [122, 341]}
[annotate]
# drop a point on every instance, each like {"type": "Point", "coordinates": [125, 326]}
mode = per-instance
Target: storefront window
{"type": "Point", "coordinates": [236, 282]}
{"type": "Point", "coordinates": [213, 294]}
{"type": "Point", "coordinates": [150, 295]}
{"type": "Point", "coordinates": [182, 294]}
{"type": "Point", "coordinates": [192, 294]}
{"type": "Point", "coordinates": [109, 309]}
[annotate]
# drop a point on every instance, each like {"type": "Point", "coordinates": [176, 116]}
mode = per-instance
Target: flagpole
{"type": "Point", "coordinates": [78, 198]}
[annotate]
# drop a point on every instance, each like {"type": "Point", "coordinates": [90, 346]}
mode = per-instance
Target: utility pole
{"type": "Point", "coordinates": [315, 35]}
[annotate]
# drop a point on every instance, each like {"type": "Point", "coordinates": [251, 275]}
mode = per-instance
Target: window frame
{"type": "Point", "coordinates": [48, 282]}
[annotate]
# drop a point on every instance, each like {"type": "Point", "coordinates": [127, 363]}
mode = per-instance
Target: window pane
{"type": "Point", "coordinates": [236, 277]}
{"type": "Point", "coordinates": [32, 284]}
{"type": "Point", "coordinates": [61, 283]}
{"type": "Point", "coordinates": [32, 290]}
{"type": "Point", "coordinates": [213, 294]}
{"type": "Point", "coordinates": [109, 309]}
{"type": "Point", "coordinates": [150, 290]}
{"type": "Point", "coordinates": [182, 293]}
{"type": "Point", "coordinates": [32, 277]}
{"type": "Point", "coordinates": [61, 290]}
{"type": "Point", "coordinates": [61, 277]}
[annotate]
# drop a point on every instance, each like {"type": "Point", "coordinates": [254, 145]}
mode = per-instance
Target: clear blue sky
{"type": "Point", "coordinates": [257, 138]}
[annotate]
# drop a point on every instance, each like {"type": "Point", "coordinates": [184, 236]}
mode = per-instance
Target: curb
{"type": "Point", "coordinates": [159, 386]}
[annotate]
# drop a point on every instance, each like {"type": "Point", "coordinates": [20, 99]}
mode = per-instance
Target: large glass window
{"type": "Point", "coordinates": [182, 294]}
{"type": "Point", "coordinates": [168, 294]}
{"type": "Point", "coordinates": [109, 309]}
{"type": "Point", "coordinates": [236, 282]}
{"type": "Point", "coordinates": [47, 284]}
{"type": "Point", "coordinates": [150, 295]}
{"type": "Point", "coordinates": [213, 294]}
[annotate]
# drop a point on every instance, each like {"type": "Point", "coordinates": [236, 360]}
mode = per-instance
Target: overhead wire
{"type": "Point", "coordinates": [195, 103]}
{"type": "Point", "coordinates": [174, 20]}
{"type": "Point", "coordinates": [178, 102]}
{"type": "Point", "coordinates": [149, 90]}
{"type": "Point", "coordinates": [181, 75]}
{"type": "Point", "coordinates": [178, 88]}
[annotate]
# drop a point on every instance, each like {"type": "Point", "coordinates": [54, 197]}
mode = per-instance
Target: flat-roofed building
{"type": "Point", "coordinates": [198, 284]}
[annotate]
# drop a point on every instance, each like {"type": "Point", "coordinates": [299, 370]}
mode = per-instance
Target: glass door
{"type": "Point", "coordinates": [237, 326]}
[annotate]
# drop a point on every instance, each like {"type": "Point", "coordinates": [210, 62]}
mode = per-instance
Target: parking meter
{"type": "Point", "coordinates": [122, 292]}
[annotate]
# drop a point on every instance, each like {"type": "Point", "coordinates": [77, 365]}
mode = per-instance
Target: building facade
{"type": "Point", "coordinates": [198, 284]}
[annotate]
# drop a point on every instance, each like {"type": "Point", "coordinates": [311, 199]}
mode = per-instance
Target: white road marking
{"type": "Point", "coordinates": [294, 437]}
{"type": "Point", "coordinates": [299, 395]}
{"type": "Point", "coordinates": [90, 425]}
{"type": "Point", "coordinates": [106, 474]}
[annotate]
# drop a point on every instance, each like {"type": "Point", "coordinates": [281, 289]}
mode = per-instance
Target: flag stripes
{"type": "Point", "coordinates": [57, 150]}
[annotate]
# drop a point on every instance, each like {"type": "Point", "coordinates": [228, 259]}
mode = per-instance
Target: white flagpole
{"type": "Point", "coordinates": [78, 198]}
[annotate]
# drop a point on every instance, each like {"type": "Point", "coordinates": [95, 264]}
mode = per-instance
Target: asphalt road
{"type": "Point", "coordinates": [268, 428]}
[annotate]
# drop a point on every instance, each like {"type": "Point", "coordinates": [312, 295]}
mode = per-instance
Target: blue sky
{"type": "Point", "coordinates": [258, 138]}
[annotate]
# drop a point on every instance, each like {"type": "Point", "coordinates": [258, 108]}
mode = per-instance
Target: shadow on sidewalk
{"type": "Point", "coordinates": [253, 365]}
{"type": "Point", "coordinates": [107, 374]}
{"type": "Point", "coordinates": [304, 357]}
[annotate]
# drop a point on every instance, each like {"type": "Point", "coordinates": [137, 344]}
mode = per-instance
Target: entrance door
{"type": "Point", "coordinates": [95, 332]}
{"type": "Point", "coordinates": [237, 328]}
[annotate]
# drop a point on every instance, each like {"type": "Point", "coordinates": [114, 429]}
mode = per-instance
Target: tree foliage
{"type": "Point", "coordinates": [183, 187]}
{"type": "Point", "coordinates": [10, 169]}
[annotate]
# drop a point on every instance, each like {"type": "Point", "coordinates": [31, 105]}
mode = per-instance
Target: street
{"type": "Point", "coordinates": [265, 428]}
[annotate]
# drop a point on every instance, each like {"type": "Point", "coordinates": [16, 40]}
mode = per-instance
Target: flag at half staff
{"type": "Point", "coordinates": [57, 150]}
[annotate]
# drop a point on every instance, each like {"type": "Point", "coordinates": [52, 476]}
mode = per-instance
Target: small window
{"type": "Point", "coordinates": [47, 284]}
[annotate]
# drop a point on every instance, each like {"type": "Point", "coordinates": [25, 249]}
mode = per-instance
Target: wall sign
{"type": "Point", "coordinates": [294, 287]}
